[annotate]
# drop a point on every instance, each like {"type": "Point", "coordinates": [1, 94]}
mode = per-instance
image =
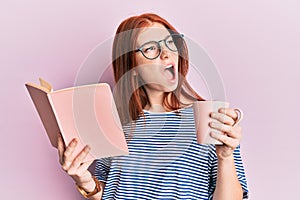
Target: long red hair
{"type": "Point", "coordinates": [130, 100]}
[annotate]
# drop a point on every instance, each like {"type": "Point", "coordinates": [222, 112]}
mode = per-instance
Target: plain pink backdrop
{"type": "Point", "coordinates": [255, 45]}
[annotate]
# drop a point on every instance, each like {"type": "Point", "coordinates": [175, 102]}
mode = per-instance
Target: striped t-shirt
{"type": "Point", "coordinates": [164, 162]}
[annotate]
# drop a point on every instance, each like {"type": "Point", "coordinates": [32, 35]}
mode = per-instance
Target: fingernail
{"type": "Point", "coordinates": [212, 124]}
{"type": "Point", "coordinates": [74, 141]}
{"type": "Point", "coordinates": [212, 134]}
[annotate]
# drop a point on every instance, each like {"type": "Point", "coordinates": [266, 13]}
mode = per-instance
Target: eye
{"type": "Point", "coordinates": [151, 48]}
{"type": "Point", "coordinates": [170, 42]}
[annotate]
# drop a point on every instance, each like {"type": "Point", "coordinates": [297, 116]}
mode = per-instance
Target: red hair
{"type": "Point", "coordinates": [130, 100]}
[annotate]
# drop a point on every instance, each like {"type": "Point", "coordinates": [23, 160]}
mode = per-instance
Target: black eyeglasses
{"type": "Point", "coordinates": [152, 50]}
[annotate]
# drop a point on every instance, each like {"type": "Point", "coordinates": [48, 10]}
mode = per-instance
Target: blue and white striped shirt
{"type": "Point", "coordinates": [165, 161]}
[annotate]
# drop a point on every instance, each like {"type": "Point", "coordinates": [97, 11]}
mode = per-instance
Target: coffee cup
{"type": "Point", "coordinates": [202, 111]}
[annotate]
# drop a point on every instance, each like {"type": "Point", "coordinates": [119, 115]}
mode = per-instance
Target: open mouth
{"type": "Point", "coordinates": [170, 72]}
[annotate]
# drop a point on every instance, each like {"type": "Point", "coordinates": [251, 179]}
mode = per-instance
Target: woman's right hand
{"type": "Point", "coordinates": [74, 166]}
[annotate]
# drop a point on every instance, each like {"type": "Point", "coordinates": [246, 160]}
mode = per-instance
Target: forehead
{"type": "Point", "coordinates": [154, 32]}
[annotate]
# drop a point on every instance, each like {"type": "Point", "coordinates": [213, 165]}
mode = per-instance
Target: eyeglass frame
{"type": "Point", "coordinates": [160, 47]}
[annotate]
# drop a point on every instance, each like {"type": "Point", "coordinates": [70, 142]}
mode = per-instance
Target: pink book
{"type": "Point", "coordinates": [86, 112]}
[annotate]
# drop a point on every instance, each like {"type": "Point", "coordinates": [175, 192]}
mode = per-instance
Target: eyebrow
{"type": "Point", "coordinates": [139, 46]}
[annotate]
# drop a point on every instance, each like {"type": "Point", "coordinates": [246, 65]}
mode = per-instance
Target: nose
{"type": "Point", "coordinates": [165, 52]}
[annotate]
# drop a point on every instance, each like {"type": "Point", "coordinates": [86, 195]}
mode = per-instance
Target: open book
{"type": "Point", "coordinates": [86, 112]}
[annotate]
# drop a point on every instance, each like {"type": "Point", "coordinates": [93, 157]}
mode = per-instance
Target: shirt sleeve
{"type": "Point", "coordinates": [102, 168]}
{"type": "Point", "coordinates": [239, 170]}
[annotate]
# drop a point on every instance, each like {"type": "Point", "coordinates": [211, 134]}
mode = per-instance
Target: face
{"type": "Point", "coordinates": [160, 74]}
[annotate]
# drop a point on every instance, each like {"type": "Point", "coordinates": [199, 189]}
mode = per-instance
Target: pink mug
{"type": "Point", "coordinates": [202, 110]}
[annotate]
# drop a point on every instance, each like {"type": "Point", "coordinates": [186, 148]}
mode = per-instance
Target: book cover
{"type": "Point", "coordinates": [87, 112]}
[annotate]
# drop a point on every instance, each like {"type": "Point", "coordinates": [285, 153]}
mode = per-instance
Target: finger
{"type": "Point", "coordinates": [81, 172]}
{"type": "Point", "coordinates": [79, 160]}
{"type": "Point", "coordinates": [84, 167]}
{"type": "Point", "coordinates": [222, 118]}
{"type": "Point", "coordinates": [223, 128]}
{"type": "Point", "coordinates": [60, 147]}
{"type": "Point", "coordinates": [68, 154]}
{"type": "Point", "coordinates": [230, 112]}
{"type": "Point", "coordinates": [235, 132]}
{"type": "Point", "coordinates": [230, 142]}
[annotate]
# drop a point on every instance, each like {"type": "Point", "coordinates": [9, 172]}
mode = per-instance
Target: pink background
{"type": "Point", "coordinates": [255, 45]}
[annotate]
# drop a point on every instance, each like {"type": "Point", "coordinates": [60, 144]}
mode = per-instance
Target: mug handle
{"type": "Point", "coordinates": [240, 116]}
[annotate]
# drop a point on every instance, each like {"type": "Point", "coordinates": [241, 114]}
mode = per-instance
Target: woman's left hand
{"type": "Point", "coordinates": [232, 132]}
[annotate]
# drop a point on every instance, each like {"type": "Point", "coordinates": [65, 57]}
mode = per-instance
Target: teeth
{"type": "Point", "coordinates": [168, 66]}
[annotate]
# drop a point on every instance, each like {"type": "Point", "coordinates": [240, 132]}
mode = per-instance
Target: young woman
{"type": "Point", "coordinates": [153, 97]}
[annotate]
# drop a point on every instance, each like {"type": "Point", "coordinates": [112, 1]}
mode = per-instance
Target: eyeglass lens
{"type": "Point", "coordinates": [152, 50]}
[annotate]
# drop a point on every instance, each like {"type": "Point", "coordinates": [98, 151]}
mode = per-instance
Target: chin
{"type": "Point", "coordinates": [171, 88]}
{"type": "Point", "coordinates": [163, 86]}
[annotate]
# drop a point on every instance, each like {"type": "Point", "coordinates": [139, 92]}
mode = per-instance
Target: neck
{"type": "Point", "coordinates": [155, 101]}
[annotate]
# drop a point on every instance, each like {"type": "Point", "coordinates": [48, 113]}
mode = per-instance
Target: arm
{"type": "Point", "coordinates": [227, 185]}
